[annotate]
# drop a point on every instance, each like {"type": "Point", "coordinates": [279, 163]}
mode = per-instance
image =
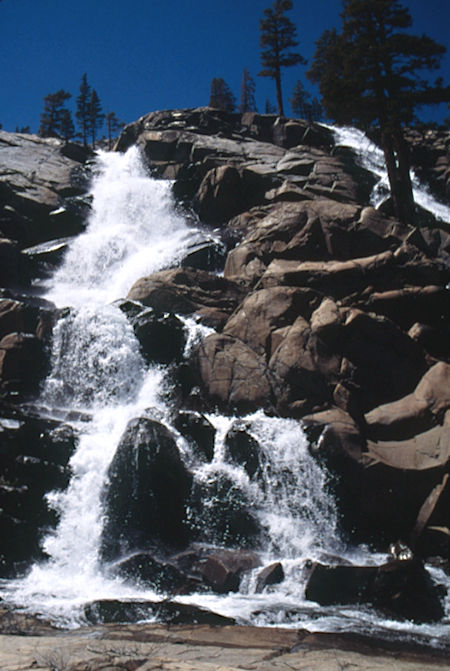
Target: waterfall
{"type": "Point", "coordinates": [97, 369]}
{"type": "Point", "coordinates": [371, 157]}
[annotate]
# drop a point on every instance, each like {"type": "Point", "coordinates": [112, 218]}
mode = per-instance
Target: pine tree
{"type": "Point", "coordinates": [221, 96]}
{"type": "Point", "coordinates": [53, 113]}
{"type": "Point", "coordinates": [247, 102]}
{"type": "Point", "coordinates": [303, 106]}
{"type": "Point", "coordinates": [301, 101]}
{"type": "Point", "coordinates": [66, 126]}
{"type": "Point", "coordinates": [278, 35]}
{"type": "Point", "coordinates": [96, 116]}
{"type": "Point", "coordinates": [113, 126]}
{"type": "Point", "coordinates": [369, 75]}
{"type": "Point", "coordinates": [82, 112]}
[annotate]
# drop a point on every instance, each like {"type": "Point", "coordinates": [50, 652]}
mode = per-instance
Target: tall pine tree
{"type": "Point", "coordinates": [369, 75]}
{"type": "Point", "coordinates": [96, 116]}
{"type": "Point", "coordinates": [247, 102]}
{"type": "Point", "coordinates": [82, 112]}
{"type": "Point", "coordinates": [53, 114]}
{"type": "Point", "coordinates": [278, 36]}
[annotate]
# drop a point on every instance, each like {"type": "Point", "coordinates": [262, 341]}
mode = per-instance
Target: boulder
{"type": "Point", "coordinates": [110, 611]}
{"type": "Point", "coordinates": [400, 589]}
{"type": "Point", "coordinates": [379, 359]}
{"type": "Point", "coordinates": [409, 305]}
{"type": "Point", "coordinates": [37, 182]}
{"type": "Point", "coordinates": [270, 575]}
{"type": "Point", "coordinates": [23, 362]}
{"type": "Point", "coordinates": [198, 431]}
{"type": "Point", "coordinates": [147, 570]}
{"type": "Point", "coordinates": [34, 456]}
{"type": "Point", "coordinates": [188, 291]}
{"type": "Point", "coordinates": [242, 448]}
{"type": "Point", "coordinates": [416, 412]}
{"type": "Point", "coordinates": [14, 266]}
{"type": "Point", "coordinates": [220, 195]}
{"type": "Point", "coordinates": [145, 498]}
{"type": "Point", "coordinates": [220, 512]}
{"type": "Point", "coordinates": [161, 336]}
{"type": "Point", "coordinates": [224, 569]}
{"type": "Point", "coordinates": [232, 374]}
{"type": "Point", "coordinates": [257, 319]}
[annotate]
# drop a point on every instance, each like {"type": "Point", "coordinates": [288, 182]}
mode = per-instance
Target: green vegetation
{"type": "Point", "coordinates": [278, 36]}
{"type": "Point", "coordinates": [369, 75]}
{"type": "Point", "coordinates": [221, 97]}
{"type": "Point", "coordinates": [247, 102]}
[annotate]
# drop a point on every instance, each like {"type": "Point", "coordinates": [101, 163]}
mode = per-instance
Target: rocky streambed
{"type": "Point", "coordinates": [315, 307]}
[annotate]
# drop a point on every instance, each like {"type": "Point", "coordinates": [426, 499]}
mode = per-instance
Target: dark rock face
{"type": "Point", "coordinates": [402, 589]}
{"type": "Point", "coordinates": [198, 431]}
{"type": "Point", "coordinates": [39, 187]}
{"type": "Point", "coordinates": [161, 336]}
{"type": "Point", "coordinates": [34, 456]}
{"type": "Point", "coordinates": [221, 514]}
{"type": "Point", "coordinates": [146, 492]}
{"type": "Point", "coordinates": [146, 570]}
{"type": "Point", "coordinates": [113, 611]}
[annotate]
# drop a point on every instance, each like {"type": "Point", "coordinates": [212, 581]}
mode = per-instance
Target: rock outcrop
{"type": "Point", "coordinates": [342, 319]}
{"type": "Point", "coordinates": [324, 309]}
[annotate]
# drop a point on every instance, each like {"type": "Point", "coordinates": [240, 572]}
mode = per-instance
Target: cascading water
{"type": "Point", "coordinates": [371, 157]}
{"type": "Point", "coordinates": [98, 370]}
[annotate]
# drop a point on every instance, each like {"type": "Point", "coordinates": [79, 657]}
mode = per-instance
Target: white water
{"type": "Point", "coordinates": [371, 157]}
{"type": "Point", "coordinates": [98, 369]}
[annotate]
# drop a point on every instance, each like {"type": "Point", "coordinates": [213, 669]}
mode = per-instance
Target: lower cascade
{"type": "Point", "coordinates": [230, 514]}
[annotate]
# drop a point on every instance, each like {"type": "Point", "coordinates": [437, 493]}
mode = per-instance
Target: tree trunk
{"type": "Point", "coordinates": [395, 155]}
{"type": "Point", "coordinates": [279, 95]}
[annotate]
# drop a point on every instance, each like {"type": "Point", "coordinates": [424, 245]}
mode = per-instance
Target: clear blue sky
{"type": "Point", "coordinates": [144, 55]}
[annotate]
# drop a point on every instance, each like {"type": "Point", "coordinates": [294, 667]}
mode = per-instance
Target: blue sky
{"type": "Point", "coordinates": [144, 55]}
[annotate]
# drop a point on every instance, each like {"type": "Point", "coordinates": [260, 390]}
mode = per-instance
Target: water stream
{"type": "Point", "coordinates": [98, 370]}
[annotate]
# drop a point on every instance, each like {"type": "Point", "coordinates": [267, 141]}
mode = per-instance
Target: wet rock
{"type": "Point", "coordinates": [161, 336]}
{"type": "Point", "coordinates": [243, 448]}
{"type": "Point", "coordinates": [220, 513]}
{"type": "Point", "coordinates": [400, 589]}
{"type": "Point", "coordinates": [208, 255]}
{"type": "Point", "coordinates": [224, 568]}
{"type": "Point", "coordinates": [114, 611]}
{"type": "Point", "coordinates": [34, 455]}
{"type": "Point", "coordinates": [45, 257]}
{"type": "Point", "coordinates": [145, 569]}
{"type": "Point", "coordinates": [270, 575]}
{"type": "Point", "coordinates": [198, 431]}
{"type": "Point", "coordinates": [146, 493]}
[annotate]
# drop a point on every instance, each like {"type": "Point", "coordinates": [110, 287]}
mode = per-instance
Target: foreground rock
{"type": "Point", "coordinates": [402, 589]}
{"type": "Point", "coordinates": [178, 647]}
